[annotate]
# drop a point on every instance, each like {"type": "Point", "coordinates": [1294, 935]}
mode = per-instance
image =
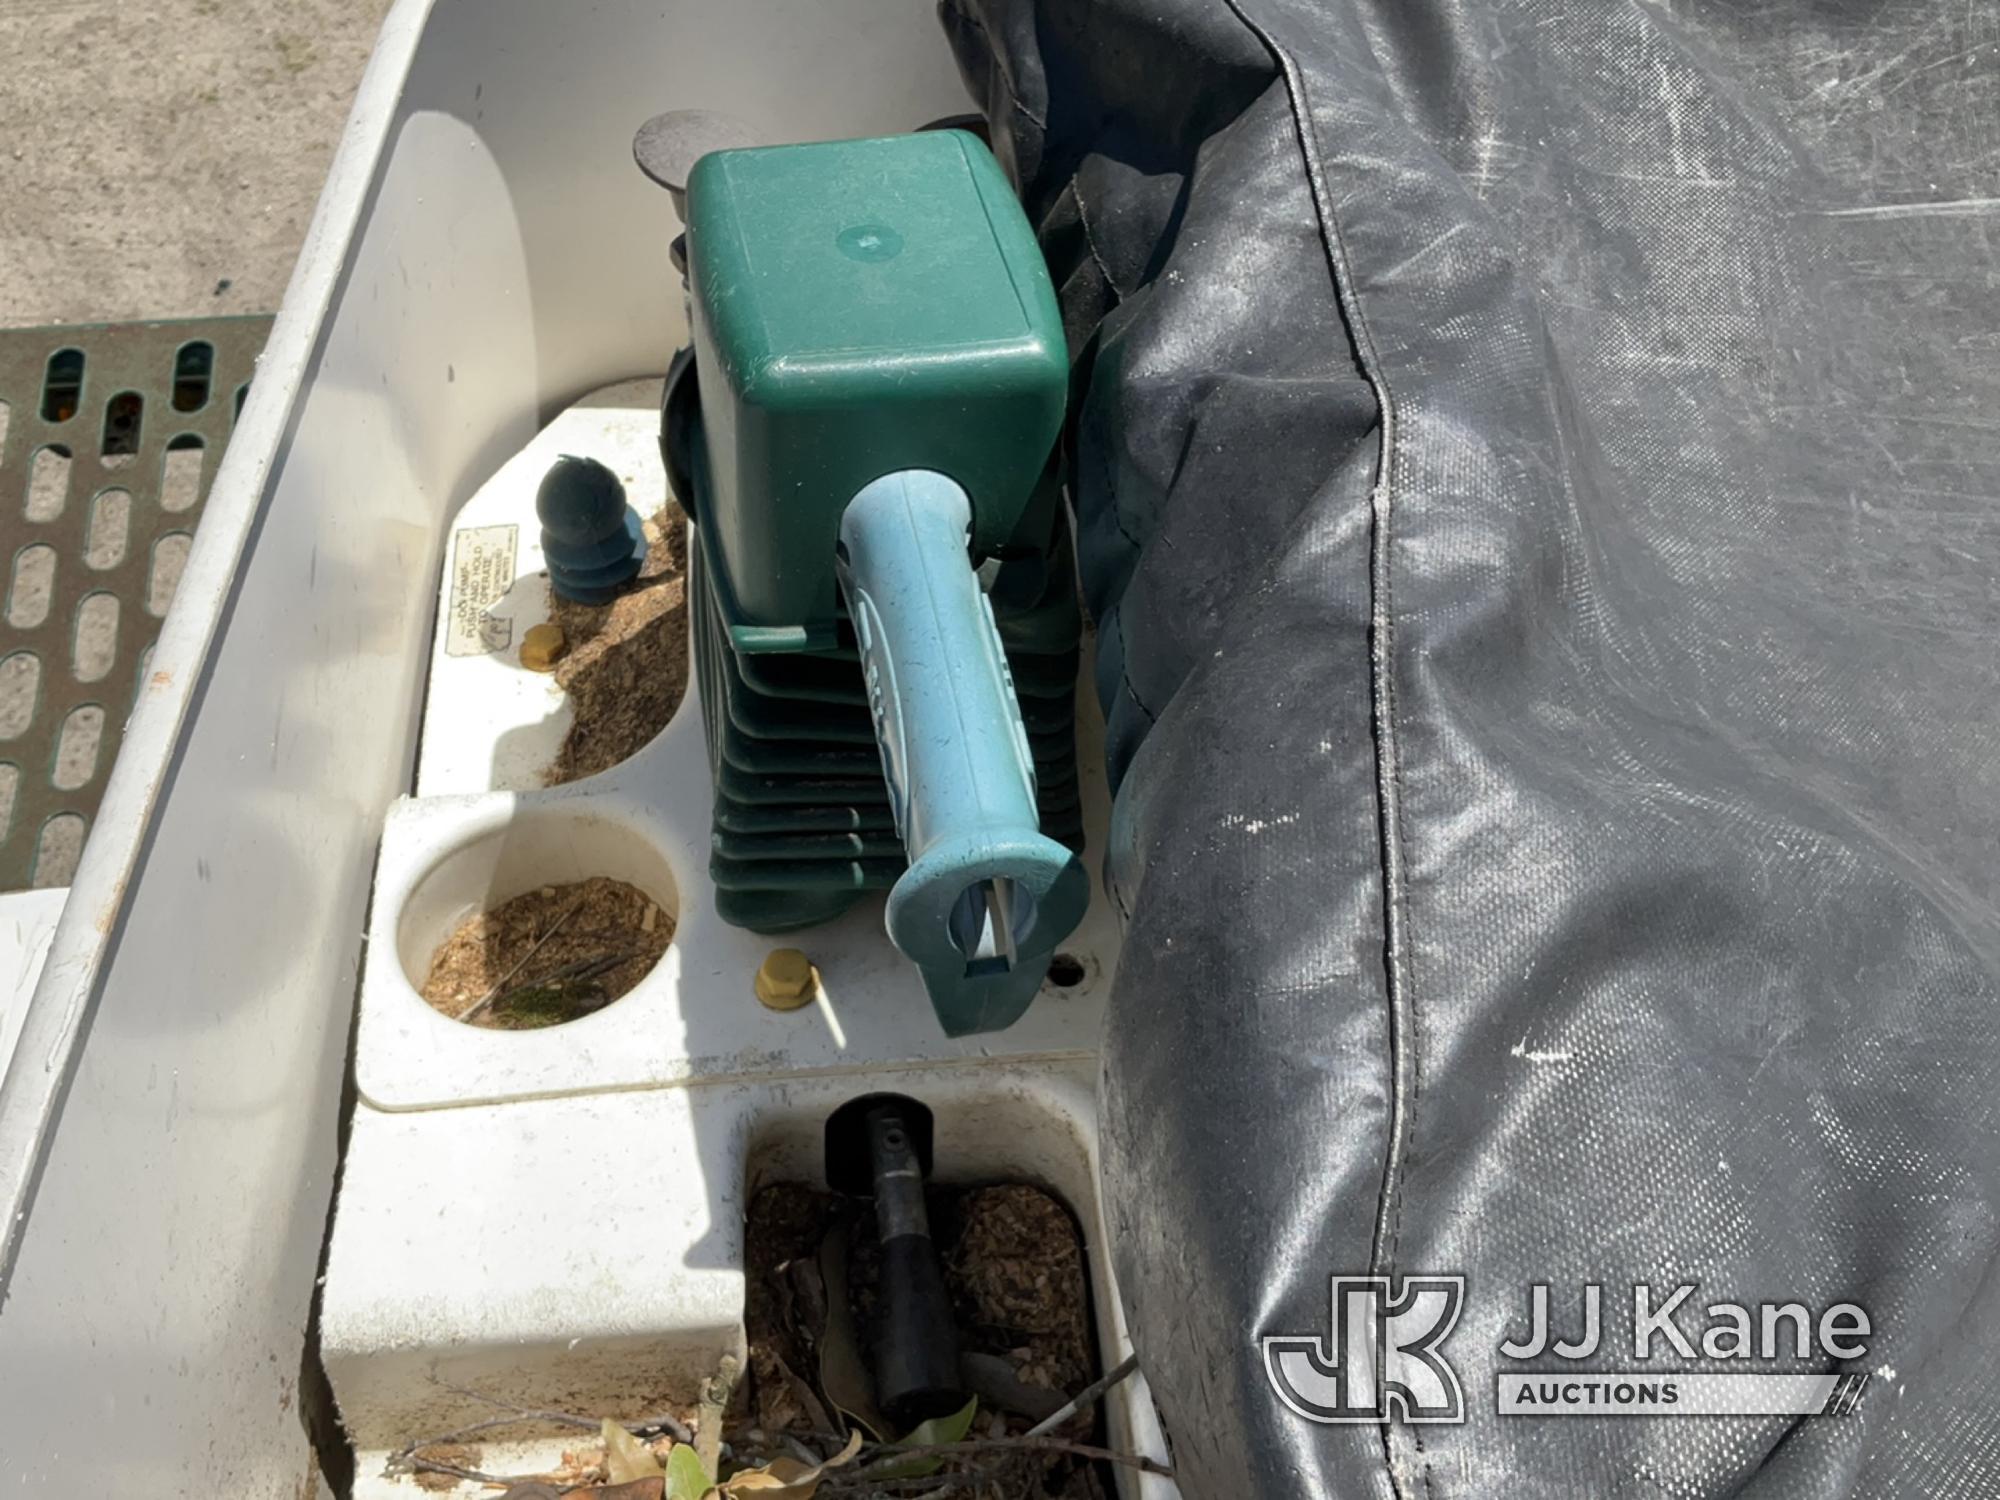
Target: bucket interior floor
{"type": "Point", "coordinates": [551, 1217]}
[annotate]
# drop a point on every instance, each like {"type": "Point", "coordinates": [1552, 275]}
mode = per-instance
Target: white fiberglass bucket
{"type": "Point", "coordinates": [172, 1117]}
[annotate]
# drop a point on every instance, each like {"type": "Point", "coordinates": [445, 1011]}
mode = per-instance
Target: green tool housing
{"type": "Point", "coordinates": [875, 316]}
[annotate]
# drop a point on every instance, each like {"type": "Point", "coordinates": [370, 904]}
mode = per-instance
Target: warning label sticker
{"type": "Point", "coordinates": [482, 570]}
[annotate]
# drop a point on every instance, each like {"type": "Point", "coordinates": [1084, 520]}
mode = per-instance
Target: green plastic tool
{"type": "Point", "coordinates": [881, 379]}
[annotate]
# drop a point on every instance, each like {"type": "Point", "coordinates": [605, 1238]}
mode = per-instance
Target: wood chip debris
{"type": "Point", "coordinates": [626, 670]}
{"type": "Point", "coordinates": [548, 956]}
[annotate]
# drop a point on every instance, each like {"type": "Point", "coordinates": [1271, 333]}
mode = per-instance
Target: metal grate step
{"type": "Point", "coordinates": [109, 436]}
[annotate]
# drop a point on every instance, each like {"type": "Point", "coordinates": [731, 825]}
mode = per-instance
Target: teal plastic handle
{"type": "Point", "coordinates": [986, 897]}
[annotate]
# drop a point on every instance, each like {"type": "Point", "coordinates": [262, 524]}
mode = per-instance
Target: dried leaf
{"type": "Point", "coordinates": [929, 1434]}
{"type": "Point", "coordinates": [802, 1306]}
{"type": "Point", "coordinates": [626, 1458]}
{"type": "Point", "coordinates": [686, 1478]}
{"type": "Point", "coordinates": [803, 1394]}
{"type": "Point", "coordinates": [843, 1373]}
{"type": "Point", "coordinates": [787, 1478]}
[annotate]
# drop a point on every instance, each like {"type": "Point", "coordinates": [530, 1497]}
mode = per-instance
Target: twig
{"type": "Point", "coordinates": [1085, 1397]}
{"type": "Point", "coordinates": [477, 1476]}
{"type": "Point", "coordinates": [666, 1422]}
{"type": "Point", "coordinates": [583, 971]}
{"type": "Point", "coordinates": [589, 968]}
{"type": "Point", "coordinates": [968, 1477]}
{"type": "Point", "coordinates": [918, 1487]}
{"type": "Point", "coordinates": [479, 1005]}
{"type": "Point", "coordinates": [715, 1393]}
{"type": "Point", "coordinates": [407, 1459]}
{"type": "Point", "coordinates": [458, 1435]}
{"type": "Point", "coordinates": [804, 1454]}
{"type": "Point", "coordinates": [887, 1455]}
{"type": "Point", "coordinates": [410, 1459]}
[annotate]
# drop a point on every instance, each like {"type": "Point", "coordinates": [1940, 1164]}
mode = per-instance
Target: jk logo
{"type": "Point", "coordinates": [1383, 1355]}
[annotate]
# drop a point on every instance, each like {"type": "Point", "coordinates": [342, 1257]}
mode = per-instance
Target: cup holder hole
{"type": "Point", "coordinates": [550, 955]}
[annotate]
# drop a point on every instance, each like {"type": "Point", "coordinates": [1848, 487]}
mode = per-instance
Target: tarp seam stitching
{"type": "Point", "coordinates": [1388, 772]}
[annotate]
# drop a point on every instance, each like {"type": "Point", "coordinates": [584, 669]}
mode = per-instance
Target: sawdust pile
{"type": "Point", "coordinates": [548, 956]}
{"type": "Point", "coordinates": [1016, 1272]}
{"type": "Point", "coordinates": [627, 667]}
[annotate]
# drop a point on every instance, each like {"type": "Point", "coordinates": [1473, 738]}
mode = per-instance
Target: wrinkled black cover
{"type": "Point", "coordinates": [1536, 468]}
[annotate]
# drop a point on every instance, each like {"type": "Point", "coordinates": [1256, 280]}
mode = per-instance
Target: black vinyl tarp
{"type": "Point", "coordinates": [1536, 467]}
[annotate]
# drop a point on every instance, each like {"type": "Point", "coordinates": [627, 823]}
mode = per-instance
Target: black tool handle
{"type": "Point", "coordinates": [916, 1347]}
{"type": "Point", "coordinates": [879, 1146]}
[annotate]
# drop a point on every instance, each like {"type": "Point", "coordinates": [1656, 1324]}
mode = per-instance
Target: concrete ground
{"type": "Point", "coordinates": [161, 158]}
{"type": "Point", "coordinates": [158, 159]}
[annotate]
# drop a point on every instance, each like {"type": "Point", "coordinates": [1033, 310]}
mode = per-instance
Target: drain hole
{"type": "Point", "coordinates": [58, 850]}
{"type": "Point", "coordinates": [77, 747]}
{"type": "Point", "coordinates": [242, 395]}
{"type": "Point", "coordinates": [95, 646]}
{"type": "Point", "coordinates": [110, 523]}
{"type": "Point", "coordinates": [180, 473]}
{"type": "Point", "coordinates": [20, 686]}
{"type": "Point", "coordinates": [193, 368]}
{"type": "Point", "coordinates": [34, 582]}
{"type": "Point", "coordinates": [62, 385]}
{"type": "Point", "coordinates": [48, 483]}
{"type": "Point", "coordinates": [1066, 971]}
{"type": "Point", "coordinates": [170, 554]}
{"type": "Point", "coordinates": [122, 419]}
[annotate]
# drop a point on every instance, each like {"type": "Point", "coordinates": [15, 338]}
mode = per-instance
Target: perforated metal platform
{"type": "Point", "coordinates": [109, 436]}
